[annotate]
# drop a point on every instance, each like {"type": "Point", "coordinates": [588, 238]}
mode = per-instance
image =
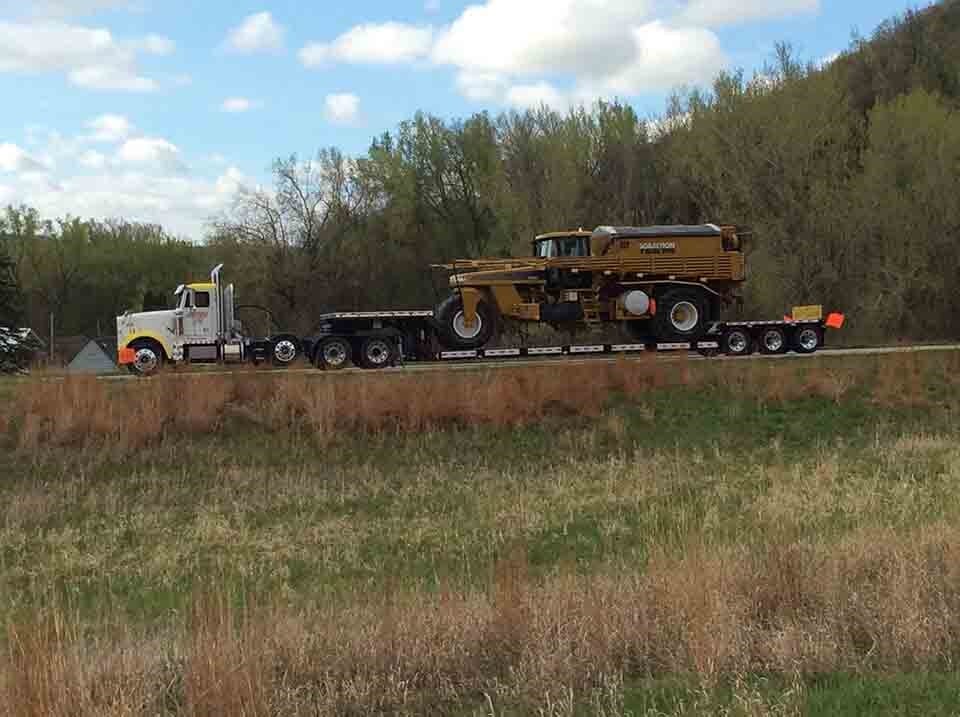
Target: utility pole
{"type": "Point", "coordinates": [51, 337]}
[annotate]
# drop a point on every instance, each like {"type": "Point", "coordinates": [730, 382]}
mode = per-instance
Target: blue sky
{"type": "Point", "coordinates": [159, 110]}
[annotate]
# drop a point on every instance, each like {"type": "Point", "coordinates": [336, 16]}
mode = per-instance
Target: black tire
{"type": "Point", "coordinates": [149, 357]}
{"type": "Point", "coordinates": [737, 341]}
{"type": "Point", "coordinates": [807, 339]}
{"type": "Point", "coordinates": [284, 350]}
{"type": "Point", "coordinates": [377, 352]}
{"type": "Point", "coordinates": [332, 354]}
{"type": "Point", "coordinates": [682, 315]}
{"type": "Point", "coordinates": [454, 339]}
{"type": "Point", "coordinates": [773, 340]}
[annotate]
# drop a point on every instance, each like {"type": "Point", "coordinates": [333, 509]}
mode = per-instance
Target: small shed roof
{"type": "Point", "coordinates": [92, 359]}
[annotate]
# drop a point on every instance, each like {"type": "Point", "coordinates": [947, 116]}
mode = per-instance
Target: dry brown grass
{"type": "Point", "coordinates": [80, 412]}
{"type": "Point", "coordinates": [838, 561]}
{"type": "Point", "coordinates": [876, 601]}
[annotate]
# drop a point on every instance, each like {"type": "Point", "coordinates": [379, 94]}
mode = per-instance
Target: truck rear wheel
{"type": "Point", "coordinates": [148, 357]}
{"type": "Point", "coordinates": [807, 340]}
{"type": "Point", "coordinates": [773, 341]}
{"type": "Point", "coordinates": [376, 352]}
{"type": "Point", "coordinates": [682, 315]}
{"type": "Point", "coordinates": [737, 342]}
{"type": "Point", "coordinates": [333, 354]}
{"type": "Point", "coordinates": [455, 332]}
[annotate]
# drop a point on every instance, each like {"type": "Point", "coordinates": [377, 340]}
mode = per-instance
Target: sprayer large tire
{"type": "Point", "coordinates": [682, 315]}
{"type": "Point", "coordinates": [458, 337]}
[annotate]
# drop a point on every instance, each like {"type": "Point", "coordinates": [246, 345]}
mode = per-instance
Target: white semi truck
{"type": "Point", "coordinates": [203, 329]}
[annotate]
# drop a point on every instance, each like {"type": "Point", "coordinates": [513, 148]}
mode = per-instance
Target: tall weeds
{"type": "Point", "coordinates": [876, 601]}
{"type": "Point", "coordinates": [80, 411]}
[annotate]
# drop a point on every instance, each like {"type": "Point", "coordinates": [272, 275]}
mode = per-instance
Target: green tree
{"type": "Point", "coordinates": [11, 297]}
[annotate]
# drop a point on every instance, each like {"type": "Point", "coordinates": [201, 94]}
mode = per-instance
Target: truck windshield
{"type": "Point", "coordinates": [545, 249]}
{"type": "Point", "coordinates": [572, 246]}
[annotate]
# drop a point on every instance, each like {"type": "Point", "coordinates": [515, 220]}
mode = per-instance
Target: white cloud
{"type": "Point", "coordinates": [257, 33]}
{"type": "Point", "coordinates": [230, 182]}
{"type": "Point", "coordinates": [181, 204]}
{"type": "Point", "coordinates": [510, 52]}
{"type": "Point", "coordinates": [238, 104]}
{"type": "Point", "coordinates": [91, 57]}
{"type": "Point", "coordinates": [149, 150]}
{"type": "Point", "coordinates": [342, 108]}
{"type": "Point", "coordinates": [384, 43]}
{"type": "Point", "coordinates": [532, 96]}
{"type": "Point", "coordinates": [16, 159]}
{"type": "Point", "coordinates": [146, 179]}
{"type": "Point", "coordinates": [481, 86]}
{"type": "Point", "coordinates": [157, 45]}
{"type": "Point", "coordinates": [541, 36]}
{"type": "Point", "coordinates": [109, 128]}
{"type": "Point", "coordinates": [105, 77]}
{"type": "Point", "coordinates": [92, 159]}
{"type": "Point", "coordinates": [829, 59]}
{"type": "Point", "coordinates": [666, 57]}
{"type": "Point", "coordinates": [68, 8]}
{"type": "Point", "coordinates": [713, 13]}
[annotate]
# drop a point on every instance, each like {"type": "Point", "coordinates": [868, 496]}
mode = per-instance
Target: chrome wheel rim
{"type": "Point", "coordinates": [334, 353]}
{"type": "Point", "coordinates": [808, 339]}
{"type": "Point", "coordinates": [737, 342]}
{"type": "Point", "coordinates": [285, 351]}
{"type": "Point", "coordinates": [684, 316]}
{"type": "Point", "coordinates": [467, 332]}
{"type": "Point", "coordinates": [378, 352]}
{"type": "Point", "coordinates": [773, 340]}
{"type": "Point", "coordinates": [146, 360]}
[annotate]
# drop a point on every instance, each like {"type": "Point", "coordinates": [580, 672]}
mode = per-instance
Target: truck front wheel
{"type": "Point", "coordinates": [148, 357]}
{"type": "Point", "coordinates": [286, 349]}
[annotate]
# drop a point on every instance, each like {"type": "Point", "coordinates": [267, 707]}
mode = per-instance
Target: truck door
{"type": "Point", "coordinates": [198, 316]}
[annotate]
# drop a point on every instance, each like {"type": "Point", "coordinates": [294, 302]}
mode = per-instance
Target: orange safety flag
{"type": "Point", "coordinates": [835, 321]}
{"type": "Point", "coordinates": [126, 356]}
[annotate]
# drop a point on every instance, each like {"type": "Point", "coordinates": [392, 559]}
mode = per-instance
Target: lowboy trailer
{"type": "Point", "coordinates": [377, 339]}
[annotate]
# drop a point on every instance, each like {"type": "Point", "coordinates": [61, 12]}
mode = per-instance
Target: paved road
{"type": "Point", "coordinates": [478, 364]}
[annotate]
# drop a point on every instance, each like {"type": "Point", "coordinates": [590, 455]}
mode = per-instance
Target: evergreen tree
{"type": "Point", "coordinates": [11, 298]}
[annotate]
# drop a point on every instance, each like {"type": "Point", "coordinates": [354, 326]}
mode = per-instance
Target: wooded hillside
{"type": "Point", "coordinates": [848, 176]}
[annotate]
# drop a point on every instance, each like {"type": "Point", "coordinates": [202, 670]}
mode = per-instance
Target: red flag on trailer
{"type": "Point", "coordinates": [835, 321]}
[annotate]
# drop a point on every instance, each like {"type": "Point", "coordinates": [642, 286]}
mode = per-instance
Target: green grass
{"type": "Point", "coordinates": [275, 520]}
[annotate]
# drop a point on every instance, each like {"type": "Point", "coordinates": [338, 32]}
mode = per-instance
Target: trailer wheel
{"type": "Point", "coordinates": [286, 349]}
{"type": "Point", "coordinates": [148, 357]}
{"type": "Point", "coordinates": [737, 342]}
{"type": "Point", "coordinates": [376, 352]}
{"type": "Point", "coordinates": [456, 334]}
{"type": "Point", "coordinates": [773, 341]}
{"type": "Point", "coordinates": [333, 354]}
{"type": "Point", "coordinates": [682, 315]}
{"type": "Point", "coordinates": [807, 339]}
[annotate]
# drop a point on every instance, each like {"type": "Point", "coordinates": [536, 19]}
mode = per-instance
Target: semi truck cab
{"type": "Point", "coordinates": [201, 329]}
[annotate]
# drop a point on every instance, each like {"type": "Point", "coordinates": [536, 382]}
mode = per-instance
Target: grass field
{"type": "Point", "coordinates": [642, 538]}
